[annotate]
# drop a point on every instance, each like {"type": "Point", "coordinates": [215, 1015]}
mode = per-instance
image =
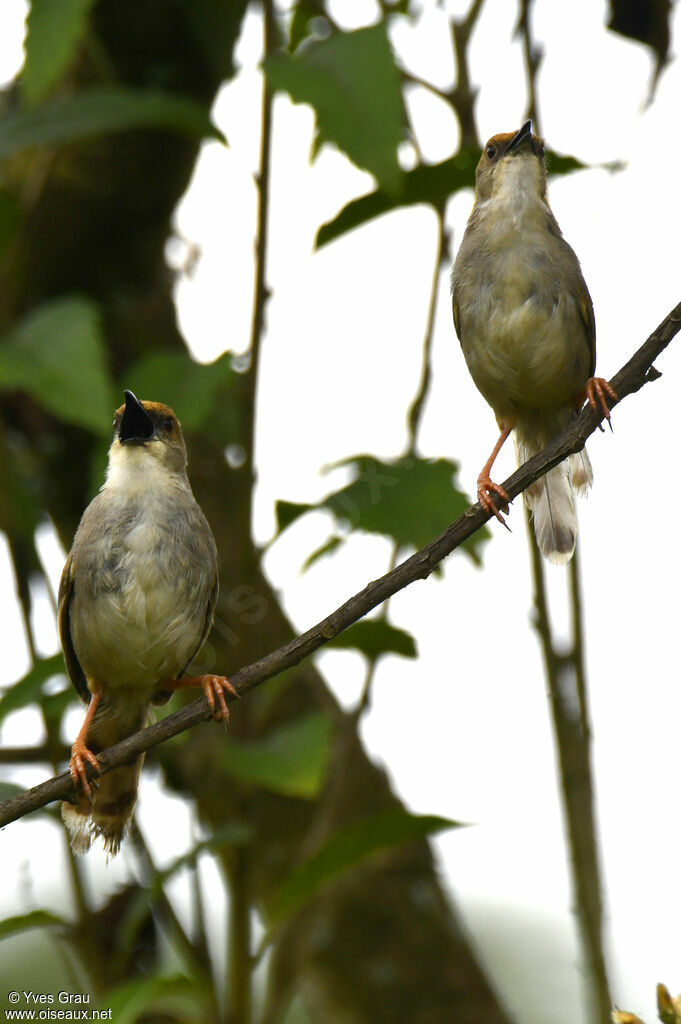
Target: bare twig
{"type": "Point", "coordinates": [533, 55]}
{"type": "Point", "coordinates": [416, 408]}
{"type": "Point", "coordinates": [161, 905]}
{"type": "Point", "coordinates": [463, 95]}
{"type": "Point", "coordinates": [33, 755]}
{"type": "Point", "coordinates": [566, 677]}
{"type": "Point", "coordinates": [261, 291]}
{"type": "Point", "coordinates": [237, 1008]}
{"type": "Point", "coordinates": [578, 646]}
{"type": "Point", "coordinates": [637, 372]}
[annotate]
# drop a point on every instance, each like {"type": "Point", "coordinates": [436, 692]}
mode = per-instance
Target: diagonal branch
{"type": "Point", "coordinates": [631, 378]}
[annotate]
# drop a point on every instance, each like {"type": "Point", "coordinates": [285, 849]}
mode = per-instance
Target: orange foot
{"type": "Point", "coordinates": [79, 755]}
{"type": "Point", "coordinates": [485, 485]}
{"type": "Point", "coordinates": [214, 688]}
{"type": "Point", "coordinates": [595, 391]}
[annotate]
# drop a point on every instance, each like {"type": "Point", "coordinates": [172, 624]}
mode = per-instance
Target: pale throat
{"type": "Point", "coordinates": [134, 470]}
{"type": "Point", "coordinates": [518, 198]}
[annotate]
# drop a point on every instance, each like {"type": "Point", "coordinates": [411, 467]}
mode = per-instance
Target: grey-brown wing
{"type": "Point", "coordinates": [73, 666]}
{"type": "Point", "coordinates": [586, 313]}
{"type": "Point", "coordinates": [162, 697]}
{"type": "Point", "coordinates": [208, 622]}
{"type": "Point", "coordinates": [577, 285]}
{"type": "Point", "coordinates": [455, 311]}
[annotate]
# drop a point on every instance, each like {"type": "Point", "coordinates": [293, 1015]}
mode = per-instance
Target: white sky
{"type": "Point", "coordinates": [464, 731]}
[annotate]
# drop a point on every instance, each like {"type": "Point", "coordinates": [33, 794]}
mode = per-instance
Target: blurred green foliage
{"type": "Point", "coordinates": [352, 83]}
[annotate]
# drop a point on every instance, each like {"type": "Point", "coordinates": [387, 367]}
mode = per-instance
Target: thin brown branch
{"type": "Point", "coordinates": [566, 677]}
{"type": "Point", "coordinates": [261, 292]}
{"type": "Point", "coordinates": [532, 55]}
{"type": "Point", "coordinates": [160, 903]}
{"type": "Point", "coordinates": [32, 755]}
{"type": "Point", "coordinates": [463, 95]}
{"type": "Point", "coordinates": [413, 79]}
{"type": "Point", "coordinates": [631, 378]}
{"type": "Point", "coordinates": [578, 644]}
{"type": "Point", "coordinates": [237, 866]}
{"type": "Point", "coordinates": [417, 407]}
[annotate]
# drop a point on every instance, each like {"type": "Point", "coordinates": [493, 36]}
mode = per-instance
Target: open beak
{"type": "Point", "coordinates": [520, 136]}
{"type": "Point", "coordinates": [136, 424]}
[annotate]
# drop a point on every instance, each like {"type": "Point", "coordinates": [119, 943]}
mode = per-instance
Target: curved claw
{"type": "Point", "coordinates": [596, 389]}
{"type": "Point", "coordinates": [214, 688]}
{"type": "Point", "coordinates": [485, 485]}
{"type": "Point", "coordinates": [79, 754]}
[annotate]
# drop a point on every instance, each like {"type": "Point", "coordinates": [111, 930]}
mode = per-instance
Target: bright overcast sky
{"type": "Point", "coordinates": [465, 730]}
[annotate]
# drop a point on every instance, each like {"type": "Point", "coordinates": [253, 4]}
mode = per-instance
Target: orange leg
{"type": "Point", "coordinates": [486, 484]}
{"type": "Point", "coordinates": [214, 688]}
{"type": "Point", "coordinates": [80, 752]}
{"type": "Point", "coordinates": [595, 391]}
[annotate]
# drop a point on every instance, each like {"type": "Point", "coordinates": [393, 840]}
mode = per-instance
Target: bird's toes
{"type": "Point", "coordinates": [77, 768]}
{"type": "Point", "coordinates": [487, 486]}
{"type": "Point", "coordinates": [214, 688]}
{"type": "Point", "coordinates": [596, 390]}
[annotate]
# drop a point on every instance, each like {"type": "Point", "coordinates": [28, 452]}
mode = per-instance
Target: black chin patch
{"type": "Point", "coordinates": [136, 424]}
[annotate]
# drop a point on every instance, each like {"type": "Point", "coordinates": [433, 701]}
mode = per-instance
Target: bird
{"type": "Point", "coordinates": [136, 602]}
{"type": "Point", "coordinates": [525, 320]}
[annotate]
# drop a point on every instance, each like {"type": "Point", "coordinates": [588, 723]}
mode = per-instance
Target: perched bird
{"type": "Point", "coordinates": [524, 317]}
{"type": "Point", "coordinates": [136, 602]}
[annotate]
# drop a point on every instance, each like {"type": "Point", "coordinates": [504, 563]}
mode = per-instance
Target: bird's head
{"type": "Point", "coordinates": [147, 435]}
{"type": "Point", "coordinates": [511, 163]}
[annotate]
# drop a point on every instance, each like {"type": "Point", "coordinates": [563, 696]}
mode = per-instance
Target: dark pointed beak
{"type": "Point", "coordinates": [520, 136]}
{"type": "Point", "coordinates": [136, 424]}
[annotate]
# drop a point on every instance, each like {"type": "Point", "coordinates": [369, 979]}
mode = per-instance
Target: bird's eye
{"type": "Point", "coordinates": [168, 423]}
{"type": "Point", "coordinates": [490, 152]}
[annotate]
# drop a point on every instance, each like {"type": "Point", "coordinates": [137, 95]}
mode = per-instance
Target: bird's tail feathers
{"type": "Point", "coordinates": [554, 516]}
{"type": "Point", "coordinates": [581, 473]}
{"type": "Point", "coordinates": [114, 795]}
{"type": "Point", "coordinates": [551, 499]}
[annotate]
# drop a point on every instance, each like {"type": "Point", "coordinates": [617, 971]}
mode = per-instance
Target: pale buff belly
{"type": "Point", "coordinates": [140, 633]}
{"type": "Point", "coordinates": [527, 357]}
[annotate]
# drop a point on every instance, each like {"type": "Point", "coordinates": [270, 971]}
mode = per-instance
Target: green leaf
{"type": "Point", "coordinates": [374, 637]}
{"type": "Point", "coordinates": [556, 163]}
{"type": "Point", "coordinates": [431, 184]}
{"type": "Point", "coordinates": [104, 110]}
{"type": "Point", "coordinates": [292, 760]}
{"type": "Point", "coordinates": [54, 705]}
{"type": "Point", "coordinates": [346, 849]}
{"type": "Point", "coordinates": [197, 392]}
{"type": "Point", "coordinates": [57, 354]}
{"type": "Point", "coordinates": [353, 84]}
{"type": "Point", "coordinates": [304, 13]}
{"type": "Point", "coordinates": [29, 689]}
{"type": "Point", "coordinates": [329, 546]}
{"type": "Point", "coordinates": [54, 31]}
{"type": "Point", "coordinates": [288, 511]}
{"type": "Point", "coordinates": [409, 499]}
{"type": "Point", "coordinates": [24, 922]}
